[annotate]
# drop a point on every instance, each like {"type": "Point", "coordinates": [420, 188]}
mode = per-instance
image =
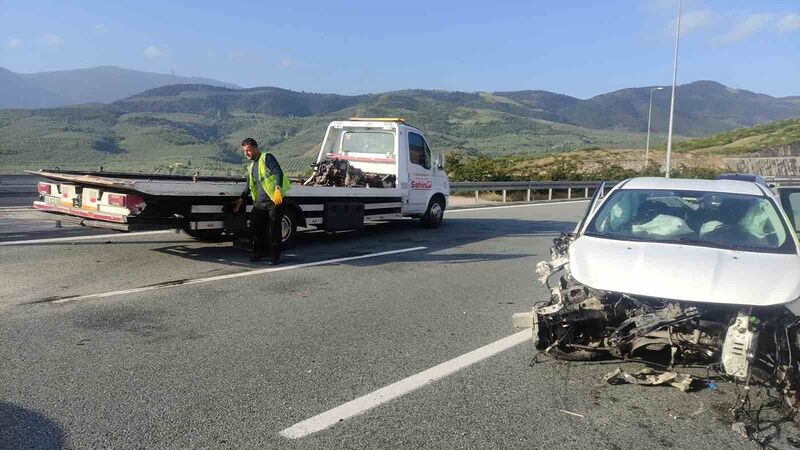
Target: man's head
{"type": "Point", "coordinates": [250, 149]}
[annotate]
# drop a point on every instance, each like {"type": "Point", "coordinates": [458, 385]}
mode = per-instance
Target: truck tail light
{"type": "Point", "coordinates": [116, 200]}
{"type": "Point", "coordinates": [129, 201]}
{"type": "Point", "coordinates": [134, 202]}
{"type": "Point", "coordinates": [43, 188]}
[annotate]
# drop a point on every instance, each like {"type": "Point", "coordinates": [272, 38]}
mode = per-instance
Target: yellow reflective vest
{"type": "Point", "coordinates": [267, 181]}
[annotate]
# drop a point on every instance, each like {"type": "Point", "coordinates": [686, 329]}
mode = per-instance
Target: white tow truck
{"type": "Point", "coordinates": [367, 170]}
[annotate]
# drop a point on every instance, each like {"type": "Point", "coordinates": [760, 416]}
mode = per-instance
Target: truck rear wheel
{"type": "Point", "coordinates": [288, 227]}
{"type": "Point", "coordinates": [435, 214]}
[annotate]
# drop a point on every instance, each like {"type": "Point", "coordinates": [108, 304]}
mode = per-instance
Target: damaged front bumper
{"type": "Point", "coordinates": [740, 342]}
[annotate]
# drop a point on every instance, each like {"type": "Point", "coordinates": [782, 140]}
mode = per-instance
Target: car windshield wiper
{"type": "Point", "coordinates": [722, 245]}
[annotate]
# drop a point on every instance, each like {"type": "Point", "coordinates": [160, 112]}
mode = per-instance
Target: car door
{"type": "Point", "coordinates": [597, 197]}
{"type": "Point", "coordinates": [420, 172]}
{"type": "Point", "coordinates": [790, 201]}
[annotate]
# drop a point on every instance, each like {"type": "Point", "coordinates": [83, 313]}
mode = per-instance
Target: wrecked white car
{"type": "Point", "coordinates": [704, 271]}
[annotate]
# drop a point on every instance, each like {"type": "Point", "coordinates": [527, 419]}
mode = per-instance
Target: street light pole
{"type": "Point", "coordinates": [674, 81]}
{"type": "Point", "coordinates": [649, 116]}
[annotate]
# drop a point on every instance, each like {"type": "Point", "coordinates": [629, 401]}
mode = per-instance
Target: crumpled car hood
{"type": "Point", "coordinates": [685, 272]}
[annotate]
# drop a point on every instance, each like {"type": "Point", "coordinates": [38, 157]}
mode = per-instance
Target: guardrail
{"type": "Point", "coordinates": [783, 181]}
{"type": "Point", "coordinates": [532, 187]}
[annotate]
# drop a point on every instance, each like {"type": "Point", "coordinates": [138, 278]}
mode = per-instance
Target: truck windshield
{"type": "Point", "coordinates": [344, 141]}
{"type": "Point", "coordinates": [710, 219]}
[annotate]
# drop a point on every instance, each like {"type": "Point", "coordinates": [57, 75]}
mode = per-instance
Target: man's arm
{"type": "Point", "coordinates": [275, 168]}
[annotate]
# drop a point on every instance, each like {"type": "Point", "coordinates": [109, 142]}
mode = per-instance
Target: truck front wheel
{"type": "Point", "coordinates": [435, 214]}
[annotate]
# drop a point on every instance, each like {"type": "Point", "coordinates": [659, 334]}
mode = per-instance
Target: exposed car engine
{"type": "Point", "coordinates": [341, 173]}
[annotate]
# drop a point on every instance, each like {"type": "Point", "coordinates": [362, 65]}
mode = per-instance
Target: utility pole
{"type": "Point", "coordinates": [674, 81]}
{"type": "Point", "coordinates": [649, 116]}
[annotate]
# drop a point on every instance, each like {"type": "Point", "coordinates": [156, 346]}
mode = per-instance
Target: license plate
{"type": "Point", "coordinates": [52, 201]}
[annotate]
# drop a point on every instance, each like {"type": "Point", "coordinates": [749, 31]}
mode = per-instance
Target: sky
{"type": "Point", "coordinates": [580, 48]}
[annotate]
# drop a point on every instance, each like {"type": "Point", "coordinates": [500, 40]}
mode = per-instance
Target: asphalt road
{"type": "Point", "coordinates": [188, 347]}
{"type": "Point", "coordinates": [17, 190]}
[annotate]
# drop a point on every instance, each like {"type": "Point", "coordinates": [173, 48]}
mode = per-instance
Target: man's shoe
{"type": "Point", "coordinates": [256, 257]}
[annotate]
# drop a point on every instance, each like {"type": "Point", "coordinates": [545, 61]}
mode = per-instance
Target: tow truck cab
{"type": "Point", "coordinates": [390, 147]}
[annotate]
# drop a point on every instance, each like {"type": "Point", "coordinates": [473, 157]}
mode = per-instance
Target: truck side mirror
{"type": "Point", "coordinates": [440, 161]}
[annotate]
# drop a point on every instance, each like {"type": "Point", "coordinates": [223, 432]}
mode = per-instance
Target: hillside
{"type": "Point", "coordinates": [104, 84]}
{"type": "Point", "coordinates": [767, 137]}
{"type": "Point", "coordinates": [195, 127]}
{"type": "Point", "coordinates": [198, 127]}
{"type": "Point", "coordinates": [768, 149]}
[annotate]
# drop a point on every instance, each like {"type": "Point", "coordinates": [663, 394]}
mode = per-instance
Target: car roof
{"type": "Point", "coordinates": [683, 184]}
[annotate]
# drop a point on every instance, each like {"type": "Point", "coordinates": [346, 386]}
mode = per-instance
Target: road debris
{"type": "Point", "coordinates": [651, 377]}
{"type": "Point", "coordinates": [572, 413]}
{"type": "Point", "coordinates": [741, 429]}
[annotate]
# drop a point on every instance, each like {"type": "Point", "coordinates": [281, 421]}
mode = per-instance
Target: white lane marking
{"type": "Point", "coordinates": [84, 238]}
{"type": "Point", "coordinates": [402, 387]}
{"type": "Point", "coordinates": [234, 275]}
{"type": "Point", "coordinates": [515, 206]}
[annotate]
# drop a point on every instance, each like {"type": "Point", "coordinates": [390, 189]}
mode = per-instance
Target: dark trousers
{"type": "Point", "coordinates": [265, 229]}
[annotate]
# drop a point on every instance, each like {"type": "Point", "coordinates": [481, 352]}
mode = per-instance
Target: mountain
{"type": "Point", "coordinates": [204, 99]}
{"type": "Point", "coordinates": [190, 127]}
{"type": "Point", "coordinates": [17, 91]}
{"type": "Point", "coordinates": [701, 107]}
{"type": "Point", "coordinates": [94, 85]}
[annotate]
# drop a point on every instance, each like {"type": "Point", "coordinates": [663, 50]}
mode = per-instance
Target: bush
{"type": "Point", "coordinates": [684, 171]}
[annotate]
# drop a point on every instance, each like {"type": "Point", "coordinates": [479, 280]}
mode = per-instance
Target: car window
{"type": "Point", "coordinates": [381, 142]}
{"type": "Point", "coordinates": [418, 151]}
{"type": "Point", "coordinates": [794, 203]}
{"type": "Point", "coordinates": [712, 219]}
{"type": "Point", "coordinates": [359, 140]}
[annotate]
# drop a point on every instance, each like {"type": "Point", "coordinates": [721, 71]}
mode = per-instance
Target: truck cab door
{"type": "Point", "coordinates": [790, 201]}
{"type": "Point", "coordinates": [420, 173]}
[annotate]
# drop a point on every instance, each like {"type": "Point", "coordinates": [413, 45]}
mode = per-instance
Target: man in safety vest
{"type": "Point", "coordinates": [266, 185]}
